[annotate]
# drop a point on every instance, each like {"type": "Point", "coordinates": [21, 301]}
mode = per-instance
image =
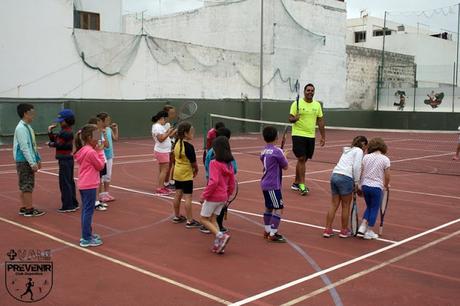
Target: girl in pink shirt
{"type": "Point", "coordinates": [375, 176]}
{"type": "Point", "coordinates": [90, 157]}
{"type": "Point", "coordinates": [220, 186]}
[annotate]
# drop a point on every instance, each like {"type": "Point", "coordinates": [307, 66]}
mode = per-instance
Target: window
{"type": "Point", "coordinates": [360, 36]}
{"type": "Point", "coordinates": [380, 32]}
{"type": "Point", "coordinates": [86, 20]}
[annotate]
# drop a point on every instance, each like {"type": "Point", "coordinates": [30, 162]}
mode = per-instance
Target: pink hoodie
{"type": "Point", "coordinates": [91, 163]}
{"type": "Point", "coordinates": [221, 182]}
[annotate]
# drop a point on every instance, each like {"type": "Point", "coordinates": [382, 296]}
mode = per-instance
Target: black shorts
{"type": "Point", "coordinates": [103, 171]}
{"type": "Point", "coordinates": [273, 199]}
{"type": "Point", "coordinates": [185, 186]}
{"type": "Point", "coordinates": [303, 146]}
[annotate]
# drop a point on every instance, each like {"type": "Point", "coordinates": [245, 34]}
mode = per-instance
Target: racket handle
{"type": "Point", "coordinates": [381, 230]}
{"type": "Point", "coordinates": [225, 216]}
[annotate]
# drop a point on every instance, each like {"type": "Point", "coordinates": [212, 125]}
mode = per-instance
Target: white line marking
{"type": "Point", "coordinates": [370, 270]}
{"type": "Point", "coordinates": [119, 262]}
{"type": "Point", "coordinates": [339, 266]}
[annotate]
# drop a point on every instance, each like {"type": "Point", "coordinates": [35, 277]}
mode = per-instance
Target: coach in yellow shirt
{"type": "Point", "coordinates": [305, 114]}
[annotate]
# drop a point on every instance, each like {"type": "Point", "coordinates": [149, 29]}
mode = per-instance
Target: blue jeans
{"type": "Point", "coordinates": [88, 199]}
{"type": "Point", "coordinates": [373, 198]}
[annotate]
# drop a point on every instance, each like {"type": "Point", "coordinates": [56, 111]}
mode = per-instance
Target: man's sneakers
{"type": "Point", "coordinates": [300, 187]}
{"type": "Point", "coordinates": [178, 219]}
{"type": "Point", "coordinates": [192, 224]}
{"type": "Point", "coordinates": [66, 210]}
{"type": "Point", "coordinates": [94, 241]}
{"type": "Point", "coordinates": [303, 189]}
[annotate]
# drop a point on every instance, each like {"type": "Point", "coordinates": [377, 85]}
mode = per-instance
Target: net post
{"type": "Point", "coordinates": [415, 85]}
{"type": "Point", "coordinates": [205, 130]}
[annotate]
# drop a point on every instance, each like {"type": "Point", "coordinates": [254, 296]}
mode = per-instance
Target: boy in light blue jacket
{"type": "Point", "coordinates": [27, 158]}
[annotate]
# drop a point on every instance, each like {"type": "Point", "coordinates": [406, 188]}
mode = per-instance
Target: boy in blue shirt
{"type": "Point", "coordinates": [274, 162]}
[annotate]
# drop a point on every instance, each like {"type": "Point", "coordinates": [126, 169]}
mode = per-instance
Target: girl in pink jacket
{"type": "Point", "coordinates": [90, 158]}
{"type": "Point", "coordinates": [220, 186]}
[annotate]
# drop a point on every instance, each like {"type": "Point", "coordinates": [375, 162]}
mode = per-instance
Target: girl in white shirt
{"type": "Point", "coordinates": [375, 176]}
{"type": "Point", "coordinates": [344, 180]}
{"type": "Point", "coordinates": [162, 148]}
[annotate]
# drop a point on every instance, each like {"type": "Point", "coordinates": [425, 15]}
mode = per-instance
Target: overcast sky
{"type": "Point", "coordinates": [373, 7]}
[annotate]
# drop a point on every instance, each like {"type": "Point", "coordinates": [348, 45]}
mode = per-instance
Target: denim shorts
{"type": "Point", "coordinates": [341, 184]}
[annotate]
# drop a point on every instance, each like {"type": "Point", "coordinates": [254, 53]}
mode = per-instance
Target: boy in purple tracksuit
{"type": "Point", "coordinates": [274, 161]}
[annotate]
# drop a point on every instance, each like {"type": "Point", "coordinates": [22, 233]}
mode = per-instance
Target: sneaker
{"type": "Point", "coordinates": [104, 198]}
{"type": "Point", "coordinates": [192, 224]}
{"type": "Point", "coordinates": [362, 229]}
{"type": "Point", "coordinates": [276, 238]}
{"type": "Point", "coordinates": [100, 207]}
{"type": "Point", "coordinates": [110, 198]}
{"type": "Point", "coordinates": [171, 186]}
{"type": "Point", "coordinates": [223, 229]}
{"type": "Point", "coordinates": [370, 235]}
{"type": "Point", "coordinates": [163, 191]}
{"type": "Point", "coordinates": [345, 233]}
{"type": "Point", "coordinates": [328, 233]}
{"type": "Point", "coordinates": [266, 234]}
{"type": "Point", "coordinates": [295, 186]}
{"type": "Point", "coordinates": [91, 242]}
{"type": "Point", "coordinates": [101, 203]}
{"type": "Point", "coordinates": [223, 243]}
{"type": "Point", "coordinates": [204, 230]}
{"type": "Point", "coordinates": [93, 236]}
{"type": "Point", "coordinates": [303, 189]}
{"type": "Point", "coordinates": [33, 212]}
{"type": "Point", "coordinates": [77, 207]}
{"type": "Point", "coordinates": [455, 158]}
{"type": "Point", "coordinates": [178, 219]}
{"type": "Point", "coordinates": [62, 210]}
{"type": "Point", "coordinates": [22, 211]}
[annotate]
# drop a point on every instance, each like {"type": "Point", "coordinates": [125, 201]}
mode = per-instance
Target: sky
{"type": "Point", "coordinates": [376, 8]}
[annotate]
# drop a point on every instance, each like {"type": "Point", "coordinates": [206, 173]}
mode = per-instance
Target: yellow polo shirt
{"type": "Point", "coordinates": [309, 112]}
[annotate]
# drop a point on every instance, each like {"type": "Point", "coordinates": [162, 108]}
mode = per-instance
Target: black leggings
{"type": "Point", "coordinates": [220, 217]}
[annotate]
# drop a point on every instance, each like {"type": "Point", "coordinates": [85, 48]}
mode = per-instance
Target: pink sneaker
{"type": "Point", "coordinates": [104, 198]}
{"type": "Point", "coordinates": [163, 191]}
{"type": "Point", "coordinates": [110, 198]}
{"type": "Point", "coordinates": [223, 243]}
{"type": "Point", "coordinates": [328, 232]}
{"type": "Point", "coordinates": [345, 233]}
{"type": "Point", "coordinates": [455, 158]}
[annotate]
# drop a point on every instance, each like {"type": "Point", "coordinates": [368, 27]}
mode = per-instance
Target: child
{"type": "Point", "coordinates": [100, 205]}
{"type": "Point", "coordinates": [27, 159]}
{"type": "Point", "coordinates": [63, 142]}
{"type": "Point", "coordinates": [220, 186]}
{"type": "Point", "coordinates": [375, 176]}
{"type": "Point", "coordinates": [162, 148]}
{"type": "Point", "coordinates": [274, 161]}
{"type": "Point", "coordinates": [185, 170]}
{"type": "Point", "coordinates": [111, 133]}
{"type": "Point", "coordinates": [210, 136]}
{"type": "Point", "coordinates": [457, 153]}
{"type": "Point", "coordinates": [344, 180]}
{"type": "Point", "coordinates": [169, 182]}
{"type": "Point", "coordinates": [90, 157]}
{"type": "Point", "coordinates": [210, 156]}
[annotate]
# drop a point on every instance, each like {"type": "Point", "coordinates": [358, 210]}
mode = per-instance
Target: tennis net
{"type": "Point", "coordinates": [409, 150]}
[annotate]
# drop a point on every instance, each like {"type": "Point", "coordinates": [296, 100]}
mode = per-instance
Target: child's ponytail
{"type": "Point", "coordinates": [84, 135]}
{"type": "Point", "coordinates": [78, 141]}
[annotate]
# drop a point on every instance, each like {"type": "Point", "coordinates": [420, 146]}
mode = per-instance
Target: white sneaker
{"type": "Point", "coordinates": [370, 235]}
{"type": "Point", "coordinates": [362, 229]}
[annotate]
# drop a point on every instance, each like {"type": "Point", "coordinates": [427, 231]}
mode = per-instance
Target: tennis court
{"type": "Point", "coordinates": [146, 259]}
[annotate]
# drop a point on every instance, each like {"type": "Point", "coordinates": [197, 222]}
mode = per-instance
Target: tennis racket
{"type": "Point", "coordinates": [231, 198]}
{"type": "Point", "coordinates": [354, 216]}
{"type": "Point", "coordinates": [297, 88]}
{"type": "Point", "coordinates": [383, 208]}
{"type": "Point", "coordinates": [186, 111]}
{"type": "Point", "coordinates": [287, 129]}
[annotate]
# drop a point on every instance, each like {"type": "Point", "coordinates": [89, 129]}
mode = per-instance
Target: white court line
{"type": "Point", "coordinates": [119, 262]}
{"type": "Point", "coordinates": [368, 271]}
{"type": "Point", "coordinates": [339, 266]}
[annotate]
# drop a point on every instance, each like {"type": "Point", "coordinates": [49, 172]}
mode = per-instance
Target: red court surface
{"type": "Point", "coordinates": [148, 260]}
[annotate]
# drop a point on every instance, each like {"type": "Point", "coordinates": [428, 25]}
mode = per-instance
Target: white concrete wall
{"type": "Point", "coordinates": [41, 61]}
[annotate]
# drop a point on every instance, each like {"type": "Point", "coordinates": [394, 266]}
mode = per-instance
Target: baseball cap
{"type": "Point", "coordinates": [64, 114]}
